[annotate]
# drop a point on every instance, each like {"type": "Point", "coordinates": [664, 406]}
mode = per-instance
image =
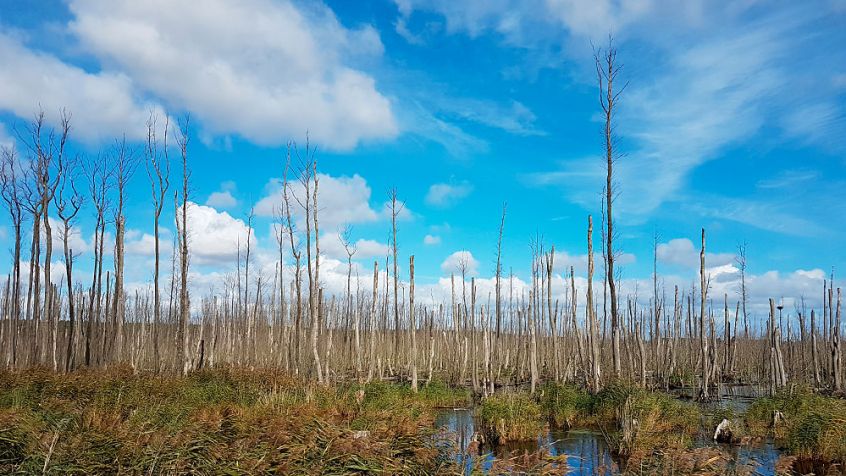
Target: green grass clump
{"type": "Point", "coordinates": [636, 421]}
{"type": "Point", "coordinates": [566, 405]}
{"type": "Point", "coordinates": [511, 417]}
{"type": "Point", "coordinates": [808, 425]}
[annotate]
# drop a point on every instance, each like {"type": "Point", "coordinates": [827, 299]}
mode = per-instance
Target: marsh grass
{"type": "Point", "coordinates": [566, 406]}
{"type": "Point", "coordinates": [809, 425]}
{"type": "Point", "coordinates": [636, 422]}
{"type": "Point", "coordinates": [510, 417]}
{"type": "Point", "coordinates": [217, 422]}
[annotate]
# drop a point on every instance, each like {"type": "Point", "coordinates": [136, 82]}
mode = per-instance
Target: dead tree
{"type": "Point", "coordinates": [595, 378]}
{"type": "Point", "coordinates": [740, 259]}
{"type": "Point", "coordinates": [703, 339]}
{"type": "Point", "coordinates": [373, 335]}
{"type": "Point", "coordinates": [10, 190]}
{"type": "Point", "coordinates": [46, 166]}
{"type": "Point", "coordinates": [68, 202]}
{"type": "Point", "coordinates": [413, 324]}
{"type": "Point", "coordinates": [836, 355]}
{"type": "Point", "coordinates": [607, 72]}
{"type": "Point", "coordinates": [182, 225]}
{"type": "Point", "coordinates": [309, 206]}
{"type": "Point", "coordinates": [350, 249]}
{"type": "Point", "coordinates": [296, 253]}
{"type": "Point", "coordinates": [99, 172]}
{"type": "Point", "coordinates": [125, 164]}
{"type": "Point", "coordinates": [158, 171]}
{"type": "Point", "coordinates": [499, 275]}
{"type": "Point", "coordinates": [396, 208]}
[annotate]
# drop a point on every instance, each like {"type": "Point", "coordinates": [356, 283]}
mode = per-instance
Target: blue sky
{"type": "Point", "coordinates": [734, 120]}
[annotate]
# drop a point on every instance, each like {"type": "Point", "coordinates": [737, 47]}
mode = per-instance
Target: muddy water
{"type": "Point", "coordinates": [585, 450]}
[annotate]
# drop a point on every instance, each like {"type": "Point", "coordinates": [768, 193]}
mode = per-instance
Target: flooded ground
{"type": "Point", "coordinates": [585, 450]}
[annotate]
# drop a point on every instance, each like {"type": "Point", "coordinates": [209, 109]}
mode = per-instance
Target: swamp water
{"type": "Point", "coordinates": [586, 451]}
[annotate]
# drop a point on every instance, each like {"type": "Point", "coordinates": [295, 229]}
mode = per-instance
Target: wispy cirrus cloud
{"type": "Point", "coordinates": [711, 79]}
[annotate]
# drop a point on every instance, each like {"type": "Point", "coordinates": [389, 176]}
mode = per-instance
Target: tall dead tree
{"type": "Point", "coordinates": [836, 354]}
{"type": "Point", "coordinates": [703, 339]}
{"type": "Point", "coordinates": [99, 172]}
{"type": "Point", "coordinates": [595, 376]}
{"type": "Point", "coordinates": [607, 71]}
{"type": "Point", "coordinates": [46, 166]}
{"type": "Point", "coordinates": [413, 324]}
{"type": "Point", "coordinates": [10, 190]}
{"type": "Point", "coordinates": [158, 171]}
{"type": "Point", "coordinates": [373, 335]}
{"type": "Point", "coordinates": [68, 202]}
{"type": "Point", "coordinates": [351, 250]}
{"type": "Point", "coordinates": [125, 164]}
{"type": "Point", "coordinates": [296, 253]}
{"type": "Point", "coordinates": [740, 259]}
{"type": "Point", "coordinates": [498, 303]}
{"type": "Point", "coordinates": [183, 352]}
{"type": "Point", "coordinates": [396, 208]}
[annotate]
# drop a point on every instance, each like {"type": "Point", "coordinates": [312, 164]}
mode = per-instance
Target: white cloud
{"type": "Point", "coordinates": [103, 105]}
{"type": "Point", "coordinates": [458, 260]}
{"type": "Point", "coordinates": [445, 195]}
{"type": "Point", "coordinates": [265, 70]}
{"type": "Point", "coordinates": [681, 252]}
{"type": "Point", "coordinates": [431, 240]}
{"type": "Point", "coordinates": [76, 242]}
{"type": "Point", "coordinates": [144, 244]}
{"type": "Point", "coordinates": [341, 201]}
{"type": "Point", "coordinates": [563, 261]}
{"type": "Point", "coordinates": [332, 246]}
{"type": "Point", "coordinates": [720, 74]}
{"type": "Point", "coordinates": [223, 198]}
{"type": "Point", "coordinates": [404, 213]}
{"type": "Point", "coordinates": [214, 237]}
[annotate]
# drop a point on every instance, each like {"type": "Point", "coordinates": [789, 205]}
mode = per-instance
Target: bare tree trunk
{"type": "Point", "coordinates": [373, 333]}
{"type": "Point", "coordinates": [590, 314]}
{"type": "Point", "coordinates": [413, 324]}
{"type": "Point", "coordinates": [703, 340]}
{"type": "Point", "coordinates": [607, 72]}
{"type": "Point", "coordinates": [499, 278]}
{"type": "Point", "coordinates": [835, 349]}
{"type": "Point", "coordinates": [395, 211]}
{"type": "Point", "coordinates": [184, 303]}
{"type": "Point", "coordinates": [125, 167]}
{"type": "Point", "coordinates": [815, 359]}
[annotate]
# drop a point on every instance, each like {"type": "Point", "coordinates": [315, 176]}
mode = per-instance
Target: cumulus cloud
{"type": "Point", "coordinates": [332, 246]}
{"type": "Point", "coordinates": [76, 242]}
{"type": "Point", "coordinates": [445, 195]}
{"type": "Point", "coordinates": [103, 105]}
{"type": "Point", "coordinates": [431, 240]}
{"type": "Point", "coordinates": [266, 70]}
{"type": "Point", "coordinates": [681, 252]}
{"type": "Point", "coordinates": [214, 237]}
{"type": "Point", "coordinates": [144, 244]}
{"type": "Point", "coordinates": [223, 198]}
{"type": "Point", "coordinates": [341, 200]}
{"type": "Point", "coordinates": [562, 261]}
{"type": "Point", "coordinates": [458, 260]}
